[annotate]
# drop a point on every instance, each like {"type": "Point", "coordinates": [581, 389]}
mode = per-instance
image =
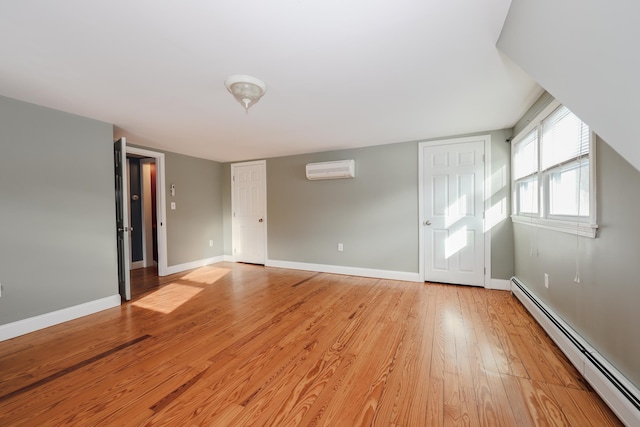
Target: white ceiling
{"type": "Point", "coordinates": [340, 73]}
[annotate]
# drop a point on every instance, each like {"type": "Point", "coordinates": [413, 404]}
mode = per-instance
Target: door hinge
{"type": "Point", "coordinates": [483, 158]}
{"type": "Point", "coordinates": [233, 178]}
{"type": "Point", "coordinates": [485, 270]}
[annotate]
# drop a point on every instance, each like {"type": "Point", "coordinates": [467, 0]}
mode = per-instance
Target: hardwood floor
{"type": "Point", "coordinates": [146, 279]}
{"type": "Point", "coordinates": [236, 345]}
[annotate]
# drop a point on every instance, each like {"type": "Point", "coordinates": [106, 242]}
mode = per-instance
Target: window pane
{"type": "Point", "coordinates": [569, 190]}
{"type": "Point", "coordinates": [528, 196]}
{"type": "Point", "coordinates": [525, 157]}
{"type": "Point", "coordinates": [564, 137]}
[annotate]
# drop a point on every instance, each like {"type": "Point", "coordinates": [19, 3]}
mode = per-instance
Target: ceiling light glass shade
{"type": "Point", "coordinates": [246, 89]}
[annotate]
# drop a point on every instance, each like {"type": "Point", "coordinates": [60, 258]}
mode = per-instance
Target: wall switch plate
{"type": "Point", "coordinates": [210, 242]}
{"type": "Point", "coordinates": [173, 206]}
{"type": "Point", "coordinates": [546, 280]}
{"type": "Point", "coordinates": [340, 247]}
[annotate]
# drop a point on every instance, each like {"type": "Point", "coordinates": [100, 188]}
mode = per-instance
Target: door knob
{"type": "Point", "coordinates": [427, 222]}
{"type": "Point", "coordinates": [260, 220]}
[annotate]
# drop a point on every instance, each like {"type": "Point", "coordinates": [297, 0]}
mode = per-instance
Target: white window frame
{"type": "Point", "coordinates": [582, 226]}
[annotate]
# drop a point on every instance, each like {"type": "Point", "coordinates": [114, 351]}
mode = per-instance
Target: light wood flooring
{"type": "Point", "coordinates": [242, 345]}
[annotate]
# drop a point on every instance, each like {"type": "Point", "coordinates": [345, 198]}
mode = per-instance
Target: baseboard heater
{"type": "Point", "coordinates": [619, 393]}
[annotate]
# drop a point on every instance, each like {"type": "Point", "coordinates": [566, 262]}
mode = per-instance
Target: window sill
{"type": "Point", "coordinates": [569, 227]}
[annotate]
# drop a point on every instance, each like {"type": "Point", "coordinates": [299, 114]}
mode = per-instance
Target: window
{"type": "Point", "coordinates": [525, 172]}
{"type": "Point", "coordinates": [552, 173]}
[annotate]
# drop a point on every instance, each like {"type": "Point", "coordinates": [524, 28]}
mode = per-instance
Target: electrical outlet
{"type": "Point", "coordinates": [340, 247]}
{"type": "Point", "coordinates": [546, 280]}
{"type": "Point", "coordinates": [210, 242]}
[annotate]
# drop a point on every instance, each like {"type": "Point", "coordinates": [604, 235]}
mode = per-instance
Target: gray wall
{"type": "Point", "coordinates": [374, 215]}
{"type": "Point", "coordinates": [198, 216]}
{"type": "Point", "coordinates": [502, 231]}
{"type": "Point", "coordinates": [57, 233]}
{"type": "Point", "coordinates": [603, 307]}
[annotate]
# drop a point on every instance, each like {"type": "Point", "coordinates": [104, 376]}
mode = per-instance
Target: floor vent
{"type": "Point", "coordinates": [618, 392]}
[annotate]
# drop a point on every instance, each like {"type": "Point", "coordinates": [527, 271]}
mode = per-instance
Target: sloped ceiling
{"type": "Point", "coordinates": [340, 74]}
{"type": "Point", "coordinates": [587, 55]}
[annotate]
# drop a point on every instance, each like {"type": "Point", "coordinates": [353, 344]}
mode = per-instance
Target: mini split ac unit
{"type": "Point", "coordinates": [331, 170]}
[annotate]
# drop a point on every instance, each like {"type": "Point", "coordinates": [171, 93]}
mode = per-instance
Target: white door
{"type": "Point", "coordinates": [453, 182]}
{"type": "Point", "coordinates": [122, 217]}
{"type": "Point", "coordinates": [249, 211]}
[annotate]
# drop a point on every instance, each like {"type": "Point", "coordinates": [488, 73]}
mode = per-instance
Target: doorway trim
{"type": "Point", "coordinates": [160, 204]}
{"type": "Point", "coordinates": [487, 200]}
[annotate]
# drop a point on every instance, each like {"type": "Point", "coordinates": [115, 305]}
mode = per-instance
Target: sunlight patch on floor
{"type": "Point", "coordinates": [207, 275]}
{"type": "Point", "coordinates": [168, 298]}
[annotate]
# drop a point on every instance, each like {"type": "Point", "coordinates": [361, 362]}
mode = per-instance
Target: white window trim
{"type": "Point", "coordinates": [587, 227]}
{"type": "Point", "coordinates": [571, 227]}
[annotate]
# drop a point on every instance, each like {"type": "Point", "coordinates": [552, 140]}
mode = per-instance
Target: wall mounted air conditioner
{"type": "Point", "coordinates": [331, 170]}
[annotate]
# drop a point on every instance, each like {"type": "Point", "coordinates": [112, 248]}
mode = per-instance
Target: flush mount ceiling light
{"type": "Point", "coordinates": [246, 89]}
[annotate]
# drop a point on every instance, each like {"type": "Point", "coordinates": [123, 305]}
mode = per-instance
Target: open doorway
{"type": "Point", "coordinates": [143, 239]}
{"type": "Point", "coordinates": [143, 222]}
{"type": "Point", "coordinates": [145, 182]}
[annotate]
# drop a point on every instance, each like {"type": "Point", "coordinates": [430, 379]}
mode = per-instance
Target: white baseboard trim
{"type": "Point", "coordinates": [351, 271]}
{"type": "Point", "coordinates": [25, 326]}
{"type": "Point", "coordinates": [229, 258]}
{"type": "Point", "coordinates": [619, 393]}
{"type": "Point", "coordinates": [137, 264]}
{"type": "Point", "coordinates": [499, 284]}
{"type": "Point", "coordinates": [193, 264]}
